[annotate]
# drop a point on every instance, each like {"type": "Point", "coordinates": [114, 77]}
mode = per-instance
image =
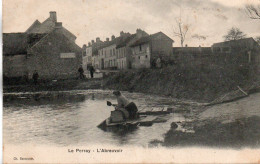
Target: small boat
{"type": "Point", "coordinates": [142, 120]}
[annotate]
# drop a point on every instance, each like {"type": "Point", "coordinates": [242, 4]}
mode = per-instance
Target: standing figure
{"type": "Point", "coordinates": [81, 72]}
{"type": "Point", "coordinates": [91, 70]}
{"type": "Point", "coordinates": [35, 77]}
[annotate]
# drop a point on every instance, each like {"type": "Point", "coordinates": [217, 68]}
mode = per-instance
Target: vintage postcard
{"type": "Point", "coordinates": [131, 81]}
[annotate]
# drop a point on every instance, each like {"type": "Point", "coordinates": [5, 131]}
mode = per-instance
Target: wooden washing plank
{"type": "Point", "coordinates": [154, 113]}
{"type": "Point", "coordinates": [148, 119]}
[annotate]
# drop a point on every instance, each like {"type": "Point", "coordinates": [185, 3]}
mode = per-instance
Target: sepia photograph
{"type": "Point", "coordinates": [131, 81]}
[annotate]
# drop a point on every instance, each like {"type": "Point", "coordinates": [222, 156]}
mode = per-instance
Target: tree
{"type": "Point", "coordinates": [181, 30]}
{"type": "Point", "coordinates": [234, 34]}
{"type": "Point", "coordinates": [253, 11]}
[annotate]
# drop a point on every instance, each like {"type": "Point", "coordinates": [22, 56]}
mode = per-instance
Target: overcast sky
{"type": "Point", "coordinates": [89, 19]}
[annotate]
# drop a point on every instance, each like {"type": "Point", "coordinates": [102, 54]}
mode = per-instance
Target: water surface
{"type": "Point", "coordinates": [71, 118]}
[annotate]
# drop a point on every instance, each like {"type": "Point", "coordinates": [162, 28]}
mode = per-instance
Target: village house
{"type": "Point", "coordinates": [148, 49]}
{"type": "Point", "coordinates": [88, 57]}
{"type": "Point", "coordinates": [123, 51]}
{"type": "Point", "coordinates": [107, 54]}
{"type": "Point", "coordinates": [46, 47]}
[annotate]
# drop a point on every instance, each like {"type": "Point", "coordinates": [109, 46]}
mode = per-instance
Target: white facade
{"type": "Point", "coordinates": [87, 58]}
{"type": "Point", "coordinates": [107, 57]}
{"type": "Point", "coordinates": [121, 58]}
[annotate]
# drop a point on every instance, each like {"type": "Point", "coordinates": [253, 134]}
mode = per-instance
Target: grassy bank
{"type": "Point", "coordinates": [204, 83]}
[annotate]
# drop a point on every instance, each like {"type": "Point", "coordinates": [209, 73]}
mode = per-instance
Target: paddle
{"type": "Point", "coordinates": [110, 104]}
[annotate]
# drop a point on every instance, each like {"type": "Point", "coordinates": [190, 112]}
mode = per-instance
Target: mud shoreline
{"type": "Point", "coordinates": [230, 125]}
{"type": "Point", "coordinates": [58, 85]}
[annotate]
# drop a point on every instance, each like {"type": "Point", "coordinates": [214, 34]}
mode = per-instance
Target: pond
{"type": "Point", "coordinates": [71, 118]}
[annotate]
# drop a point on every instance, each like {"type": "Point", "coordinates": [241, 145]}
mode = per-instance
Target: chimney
{"type": "Point", "coordinates": [92, 41]}
{"type": "Point", "coordinates": [107, 39]}
{"type": "Point", "coordinates": [53, 16]}
{"type": "Point", "coordinates": [89, 44]}
{"type": "Point", "coordinates": [58, 24]}
{"type": "Point", "coordinates": [113, 37]}
{"type": "Point", "coordinates": [186, 45]}
{"type": "Point", "coordinates": [97, 39]}
{"type": "Point", "coordinates": [139, 33]}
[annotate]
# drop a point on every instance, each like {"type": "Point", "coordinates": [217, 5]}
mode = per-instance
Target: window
{"type": "Point", "coordinates": [110, 52]}
{"type": "Point", "coordinates": [140, 47]}
{"type": "Point", "coordinates": [114, 52]}
{"type": "Point", "coordinates": [146, 56]}
{"type": "Point", "coordinates": [139, 57]}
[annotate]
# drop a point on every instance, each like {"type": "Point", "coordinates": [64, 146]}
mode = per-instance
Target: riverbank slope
{"type": "Point", "coordinates": [235, 124]}
{"type": "Point", "coordinates": [203, 84]}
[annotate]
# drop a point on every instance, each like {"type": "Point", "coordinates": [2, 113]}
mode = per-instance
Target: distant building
{"type": "Point", "coordinates": [107, 54]}
{"type": "Point", "coordinates": [233, 53]}
{"type": "Point", "coordinates": [148, 49]}
{"type": "Point", "coordinates": [248, 49]}
{"type": "Point", "coordinates": [123, 51]}
{"type": "Point", "coordinates": [51, 51]}
{"type": "Point", "coordinates": [89, 52]}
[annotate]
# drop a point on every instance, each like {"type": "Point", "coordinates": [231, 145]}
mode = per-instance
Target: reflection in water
{"type": "Point", "coordinates": [70, 118]}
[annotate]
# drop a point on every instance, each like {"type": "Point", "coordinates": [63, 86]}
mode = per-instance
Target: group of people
{"type": "Point", "coordinates": [91, 69]}
{"type": "Point", "coordinates": [81, 72]}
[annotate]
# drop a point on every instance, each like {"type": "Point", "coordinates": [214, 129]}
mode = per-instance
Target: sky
{"type": "Point", "coordinates": [208, 20]}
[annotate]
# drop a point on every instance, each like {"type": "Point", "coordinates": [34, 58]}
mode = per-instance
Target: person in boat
{"type": "Point", "coordinates": [128, 108]}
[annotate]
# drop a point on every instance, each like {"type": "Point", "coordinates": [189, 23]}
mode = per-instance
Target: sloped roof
{"type": "Point", "coordinates": [47, 26]}
{"type": "Point", "coordinates": [246, 42]}
{"type": "Point", "coordinates": [14, 43]}
{"type": "Point", "coordinates": [32, 39]}
{"type": "Point", "coordinates": [18, 43]}
{"type": "Point", "coordinates": [36, 24]}
{"type": "Point", "coordinates": [125, 41]}
{"type": "Point", "coordinates": [149, 38]}
{"type": "Point", "coordinates": [191, 50]}
{"type": "Point", "coordinates": [64, 42]}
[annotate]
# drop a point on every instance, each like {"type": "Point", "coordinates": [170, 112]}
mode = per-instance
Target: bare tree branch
{"type": "Point", "coordinates": [234, 34]}
{"type": "Point", "coordinates": [181, 30]}
{"type": "Point", "coordinates": [253, 12]}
